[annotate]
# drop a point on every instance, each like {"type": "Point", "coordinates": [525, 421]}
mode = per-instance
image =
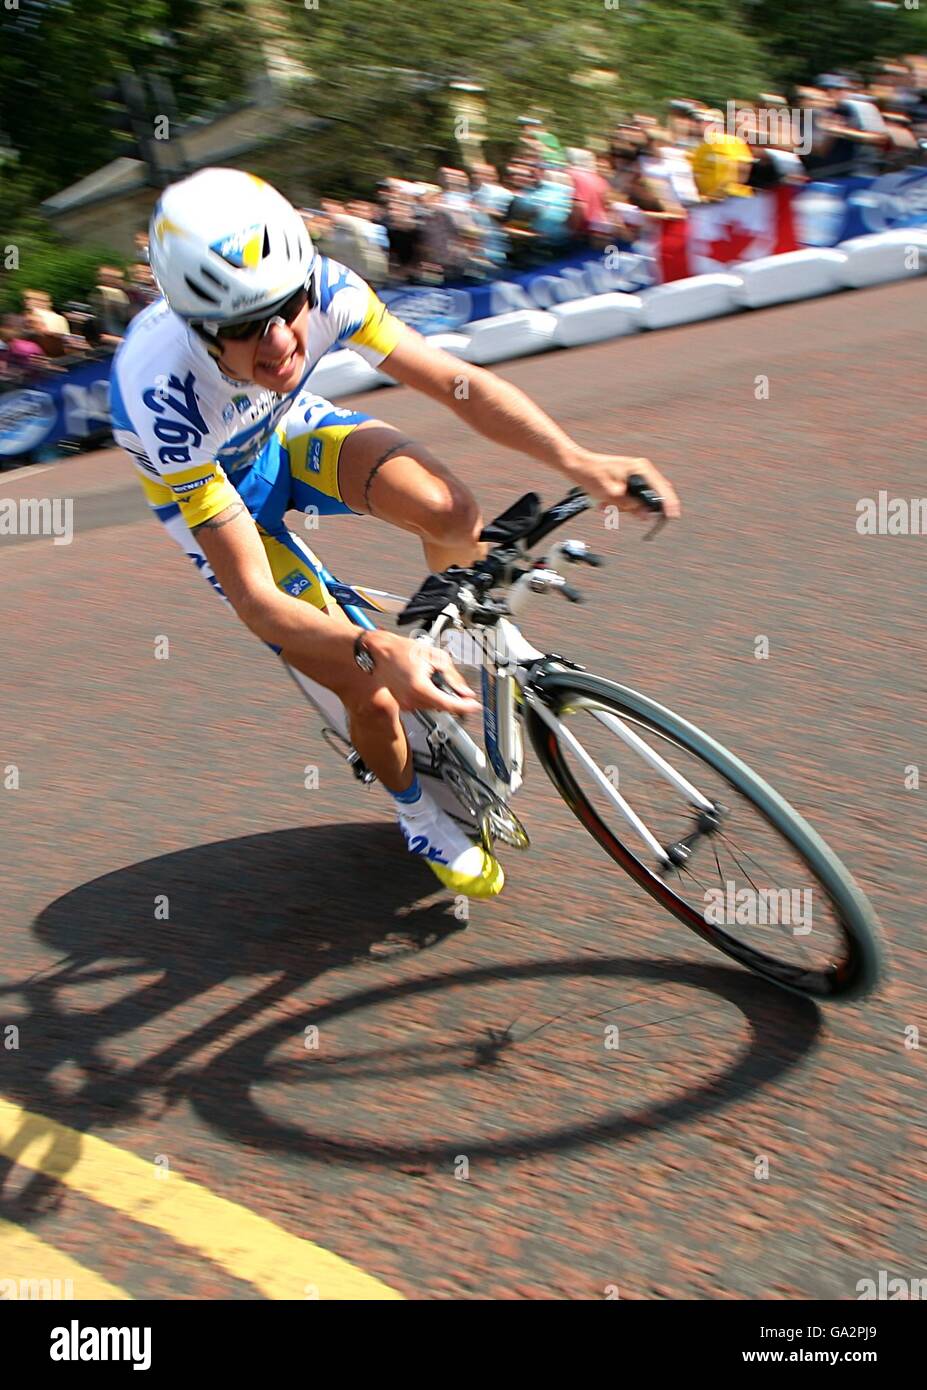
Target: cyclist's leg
{"type": "Point", "coordinates": [363, 465]}
{"type": "Point", "coordinates": [374, 719]}
{"type": "Point", "coordinates": [317, 436]}
{"type": "Point", "coordinates": [373, 716]}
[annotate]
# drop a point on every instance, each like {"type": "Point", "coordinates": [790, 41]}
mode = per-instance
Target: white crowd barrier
{"type": "Point", "coordinates": [343, 373]}
{"type": "Point", "coordinates": [595, 319]}
{"type": "Point", "coordinates": [867, 260]}
{"type": "Point", "coordinates": [794, 275]}
{"type": "Point", "coordinates": [689, 300]}
{"type": "Point", "coordinates": [510, 335]}
{"type": "Point", "coordinates": [456, 344]}
{"type": "Point", "coordinates": [884, 256]}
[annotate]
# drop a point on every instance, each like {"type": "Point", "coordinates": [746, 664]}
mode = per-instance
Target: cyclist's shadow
{"type": "Point", "coordinates": [143, 942]}
{"type": "Point", "coordinates": [123, 1024]}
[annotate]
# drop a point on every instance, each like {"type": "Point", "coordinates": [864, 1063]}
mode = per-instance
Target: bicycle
{"type": "Point", "coordinates": [471, 612]}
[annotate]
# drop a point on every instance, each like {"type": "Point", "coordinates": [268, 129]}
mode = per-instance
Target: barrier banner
{"type": "Point", "coordinates": [437, 310]}
{"type": "Point", "coordinates": [63, 405]}
{"type": "Point", "coordinates": [881, 204]}
{"type": "Point", "coordinates": [618, 267]}
{"type": "Point", "coordinates": [715, 236]}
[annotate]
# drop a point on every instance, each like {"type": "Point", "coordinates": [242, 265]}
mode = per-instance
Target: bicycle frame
{"type": "Point", "coordinates": [443, 749]}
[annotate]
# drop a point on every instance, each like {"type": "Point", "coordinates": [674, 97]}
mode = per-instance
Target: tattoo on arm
{"type": "Point", "coordinates": [222, 519]}
{"type": "Point", "coordinates": [396, 449]}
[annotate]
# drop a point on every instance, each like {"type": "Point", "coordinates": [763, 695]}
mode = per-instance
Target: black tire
{"type": "Point", "coordinates": [853, 976]}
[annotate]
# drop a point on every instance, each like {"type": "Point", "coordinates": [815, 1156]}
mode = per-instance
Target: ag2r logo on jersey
{"type": "Point", "coordinates": [176, 435]}
{"type": "Point", "coordinates": [295, 583]}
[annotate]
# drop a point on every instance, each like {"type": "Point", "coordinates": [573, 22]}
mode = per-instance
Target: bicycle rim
{"type": "Point", "coordinates": [800, 921]}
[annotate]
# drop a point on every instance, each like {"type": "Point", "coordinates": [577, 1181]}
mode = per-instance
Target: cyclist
{"type": "Point", "coordinates": [209, 398]}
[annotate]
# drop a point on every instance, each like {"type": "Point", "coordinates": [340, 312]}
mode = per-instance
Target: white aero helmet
{"type": "Point", "coordinates": [225, 245]}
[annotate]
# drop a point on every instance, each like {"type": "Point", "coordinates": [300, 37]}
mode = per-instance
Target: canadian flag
{"type": "Point", "coordinates": [715, 236]}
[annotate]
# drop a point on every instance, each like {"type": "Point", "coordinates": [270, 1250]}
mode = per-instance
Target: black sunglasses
{"type": "Point", "coordinates": [249, 328]}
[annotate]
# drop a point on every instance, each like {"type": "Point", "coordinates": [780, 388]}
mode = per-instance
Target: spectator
{"type": "Point", "coordinates": [487, 193]}
{"type": "Point", "coordinates": [540, 211]}
{"type": "Point", "coordinates": [490, 202]}
{"type": "Point", "coordinates": [683, 128]}
{"type": "Point", "coordinates": [590, 195]}
{"type": "Point", "coordinates": [902, 148]}
{"type": "Point", "coordinates": [721, 163]}
{"type": "Point", "coordinates": [850, 134]}
{"type": "Point", "coordinates": [540, 143]}
{"type": "Point", "coordinates": [400, 217]}
{"type": "Point", "coordinates": [372, 240]}
{"type": "Point", "coordinates": [141, 288]}
{"type": "Point", "coordinates": [48, 329]}
{"type": "Point", "coordinates": [23, 357]}
{"type": "Point", "coordinates": [456, 190]}
{"type": "Point", "coordinates": [443, 253]}
{"type": "Point", "coordinates": [109, 301]}
{"type": "Point", "coordinates": [661, 160]}
{"type": "Point", "coordinates": [347, 236]}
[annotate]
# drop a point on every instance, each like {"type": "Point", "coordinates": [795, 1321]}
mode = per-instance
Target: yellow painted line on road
{"type": "Point", "coordinates": [31, 1268]}
{"type": "Point", "coordinates": [247, 1246]}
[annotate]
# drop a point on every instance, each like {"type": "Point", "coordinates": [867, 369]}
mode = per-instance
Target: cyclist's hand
{"type": "Point", "coordinates": [605, 477]}
{"type": "Point", "coordinates": [406, 668]}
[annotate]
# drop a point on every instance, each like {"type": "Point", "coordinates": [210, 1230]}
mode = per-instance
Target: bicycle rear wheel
{"type": "Point", "coordinates": [746, 872]}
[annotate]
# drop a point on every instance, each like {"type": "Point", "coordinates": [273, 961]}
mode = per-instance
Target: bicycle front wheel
{"type": "Point", "coordinates": [705, 836]}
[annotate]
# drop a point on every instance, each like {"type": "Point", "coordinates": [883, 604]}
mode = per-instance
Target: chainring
{"type": "Point", "coordinates": [495, 818]}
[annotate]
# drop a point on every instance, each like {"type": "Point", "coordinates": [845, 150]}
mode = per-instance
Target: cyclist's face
{"type": "Point", "coordinates": [276, 361]}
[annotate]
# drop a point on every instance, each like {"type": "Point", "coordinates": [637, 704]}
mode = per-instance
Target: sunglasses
{"type": "Point", "coordinates": [249, 328]}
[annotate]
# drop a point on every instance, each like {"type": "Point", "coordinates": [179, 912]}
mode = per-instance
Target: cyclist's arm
{"type": "Point", "coordinates": [502, 413]}
{"type": "Point", "coordinates": [316, 643]}
{"type": "Point", "coordinates": [488, 404]}
{"type": "Point", "coordinates": [233, 547]}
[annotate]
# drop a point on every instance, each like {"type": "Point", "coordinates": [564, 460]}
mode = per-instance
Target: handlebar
{"type": "Point", "coordinates": [518, 529]}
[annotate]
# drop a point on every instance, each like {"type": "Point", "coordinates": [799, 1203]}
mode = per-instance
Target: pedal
{"type": "Point", "coordinates": [340, 745]}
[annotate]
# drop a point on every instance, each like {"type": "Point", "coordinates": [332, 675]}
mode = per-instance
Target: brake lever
{"type": "Point", "coordinates": [637, 486]}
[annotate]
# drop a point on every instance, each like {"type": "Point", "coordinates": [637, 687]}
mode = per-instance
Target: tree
{"type": "Point", "coordinates": [56, 55]}
{"type": "Point", "coordinates": [381, 73]}
{"type": "Point", "coordinates": [805, 40]}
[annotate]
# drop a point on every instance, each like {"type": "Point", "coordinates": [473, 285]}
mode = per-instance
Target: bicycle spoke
{"type": "Point", "coordinates": [753, 904]}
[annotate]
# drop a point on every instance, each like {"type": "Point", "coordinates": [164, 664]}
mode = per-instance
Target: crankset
{"type": "Point", "coordinates": [495, 819]}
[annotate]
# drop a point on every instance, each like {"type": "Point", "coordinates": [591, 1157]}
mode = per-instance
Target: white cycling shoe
{"type": "Point", "coordinates": [461, 866]}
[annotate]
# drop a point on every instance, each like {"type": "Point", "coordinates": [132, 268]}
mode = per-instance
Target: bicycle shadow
{"type": "Point", "coordinates": [287, 907]}
{"type": "Point", "coordinates": [284, 907]}
{"type": "Point", "coordinates": [781, 1036]}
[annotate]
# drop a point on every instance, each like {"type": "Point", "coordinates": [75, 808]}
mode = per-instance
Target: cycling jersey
{"type": "Point", "coordinates": [190, 429]}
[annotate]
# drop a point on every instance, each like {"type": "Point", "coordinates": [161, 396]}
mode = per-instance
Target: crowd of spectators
{"type": "Point", "coordinates": [40, 340]}
{"type": "Point", "coordinates": [475, 224]}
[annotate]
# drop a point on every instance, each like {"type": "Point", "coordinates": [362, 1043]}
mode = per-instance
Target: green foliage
{"type": "Point", "coordinates": [381, 73]}
{"type": "Point", "coordinates": [805, 39]}
{"type": "Point", "coordinates": [56, 54]}
{"type": "Point", "coordinates": [378, 73]}
{"type": "Point", "coordinates": [44, 261]}
{"type": "Point", "coordinates": [700, 49]}
{"type": "Point", "coordinates": [52, 57]}
{"type": "Point", "coordinates": [67, 272]}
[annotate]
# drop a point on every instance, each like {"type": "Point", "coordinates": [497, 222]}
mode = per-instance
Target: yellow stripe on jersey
{"type": "Point", "coordinates": [201, 493]}
{"type": "Point", "coordinates": [380, 330]}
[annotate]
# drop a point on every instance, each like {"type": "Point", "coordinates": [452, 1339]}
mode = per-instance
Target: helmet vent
{"type": "Point", "coordinates": [266, 250]}
{"type": "Point", "coordinates": [216, 280]}
{"type": "Point", "coordinates": [200, 291]}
